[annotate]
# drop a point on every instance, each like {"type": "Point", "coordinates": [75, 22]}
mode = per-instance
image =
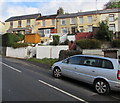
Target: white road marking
{"type": "Point", "coordinates": [63, 91]}
{"type": "Point", "coordinates": [11, 67]}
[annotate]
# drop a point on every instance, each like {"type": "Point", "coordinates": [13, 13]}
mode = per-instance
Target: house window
{"type": "Point", "coordinates": [81, 28]}
{"type": "Point", "coordinates": [89, 19]}
{"type": "Point", "coordinates": [43, 22]}
{"type": "Point", "coordinates": [19, 23]}
{"type": "Point", "coordinates": [28, 22]}
{"type": "Point", "coordinates": [111, 17]}
{"type": "Point", "coordinates": [89, 28]}
{"type": "Point", "coordinates": [63, 21]}
{"type": "Point", "coordinates": [53, 21]}
{"type": "Point", "coordinates": [11, 24]}
{"type": "Point", "coordinates": [72, 20]}
{"type": "Point", "coordinates": [64, 30]}
{"type": "Point", "coordinates": [41, 33]}
{"type": "Point", "coordinates": [112, 27]}
{"type": "Point", "coordinates": [81, 20]}
{"type": "Point", "coordinates": [47, 31]}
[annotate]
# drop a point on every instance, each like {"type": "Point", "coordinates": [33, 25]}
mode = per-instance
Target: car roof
{"type": "Point", "coordinates": [108, 58]}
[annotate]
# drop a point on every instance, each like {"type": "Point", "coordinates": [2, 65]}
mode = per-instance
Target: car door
{"type": "Point", "coordinates": [69, 66]}
{"type": "Point", "coordinates": [86, 69]}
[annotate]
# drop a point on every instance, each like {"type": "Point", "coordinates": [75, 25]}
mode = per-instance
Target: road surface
{"type": "Point", "coordinates": [26, 81]}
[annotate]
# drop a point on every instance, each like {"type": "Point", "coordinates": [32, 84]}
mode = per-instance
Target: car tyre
{"type": "Point", "coordinates": [57, 72]}
{"type": "Point", "coordinates": [102, 87]}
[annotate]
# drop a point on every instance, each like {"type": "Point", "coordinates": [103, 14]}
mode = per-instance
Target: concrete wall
{"type": "Point", "coordinates": [71, 37]}
{"type": "Point", "coordinates": [16, 53]}
{"type": "Point", "coordinates": [49, 51]}
{"type": "Point", "coordinates": [97, 52]}
{"type": "Point", "coordinates": [25, 52]}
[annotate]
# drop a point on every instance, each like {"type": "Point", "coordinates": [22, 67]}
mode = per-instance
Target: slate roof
{"type": "Point", "coordinates": [47, 17]}
{"type": "Point", "coordinates": [23, 17]}
{"type": "Point", "coordinates": [88, 13]}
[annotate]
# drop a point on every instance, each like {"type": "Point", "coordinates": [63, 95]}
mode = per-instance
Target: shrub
{"type": "Point", "coordinates": [55, 40]}
{"type": "Point", "coordinates": [88, 43]}
{"type": "Point", "coordinates": [65, 42]}
{"type": "Point", "coordinates": [116, 43]}
{"type": "Point", "coordinates": [9, 38]}
{"type": "Point", "coordinates": [18, 45]}
{"type": "Point", "coordinates": [47, 61]}
{"type": "Point", "coordinates": [21, 36]}
{"type": "Point", "coordinates": [67, 53]}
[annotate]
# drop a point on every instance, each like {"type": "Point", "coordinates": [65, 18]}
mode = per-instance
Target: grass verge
{"type": "Point", "coordinates": [47, 61]}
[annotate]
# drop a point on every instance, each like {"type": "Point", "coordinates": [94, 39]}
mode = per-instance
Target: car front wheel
{"type": "Point", "coordinates": [102, 87]}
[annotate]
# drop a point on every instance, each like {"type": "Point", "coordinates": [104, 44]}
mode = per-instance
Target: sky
{"type": "Point", "coordinates": [9, 8]}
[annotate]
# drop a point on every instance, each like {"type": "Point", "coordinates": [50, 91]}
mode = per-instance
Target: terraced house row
{"type": "Point", "coordinates": [64, 23]}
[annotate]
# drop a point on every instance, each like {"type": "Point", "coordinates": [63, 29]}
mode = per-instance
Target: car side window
{"type": "Point", "coordinates": [107, 64]}
{"type": "Point", "coordinates": [89, 61]}
{"type": "Point", "coordinates": [74, 60]}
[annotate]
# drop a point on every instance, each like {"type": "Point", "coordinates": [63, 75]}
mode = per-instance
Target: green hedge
{"type": "Point", "coordinates": [67, 53]}
{"type": "Point", "coordinates": [47, 61]}
{"type": "Point", "coordinates": [55, 40]}
{"type": "Point", "coordinates": [18, 45]}
{"type": "Point", "coordinates": [65, 42]}
{"type": "Point", "coordinates": [116, 43]}
{"type": "Point", "coordinates": [88, 43]}
{"type": "Point", "coordinates": [9, 38]}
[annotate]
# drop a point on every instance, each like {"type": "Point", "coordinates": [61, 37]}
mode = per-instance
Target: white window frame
{"type": "Point", "coordinates": [81, 28]}
{"type": "Point", "coordinates": [19, 23]}
{"type": "Point", "coordinates": [90, 28]}
{"type": "Point", "coordinates": [64, 30]}
{"type": "Point", "coordinates": [43, 22]}
{"type": "Point", "coordinates": [112, 27]}
{"type": "Point", "coordinates": [72, 20]}
{"type": "Point", "coordinates": [47, 31]}
{"type": "Point", "coordinates": [11, 24]}
{"type": "Point", "coordinates": [28, 22]}
{"type": "Point", "coordinates": [81, 20]}
{"type": "Point", "coordinates": [63, 21]}
{"type": "Point", "coordinates": [89, 19]}
{"type": "Point", "coordinates": [53, 22]}
{"type": "Point", "coordinates": [111, 17]}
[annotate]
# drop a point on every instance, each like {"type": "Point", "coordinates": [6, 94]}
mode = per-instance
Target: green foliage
{"type": "Point", "coordinates": [88, 43]}
{"type": "Point", "coordinates": [116, 43]}
{"type": "Point", "coordinates": [60, 10]}
{"type": "Point", "coordinates": [67, 53]}
{"type": "Point", "coordinates": [9, 39]}
{"type": "Point", "coordinates": [55, 40]}
{"type": "Point", "coordinates": [18, 45]}
{"type": "Point", "coordinates": [113, 5]}
{"type": "Point", "coordinates": [103, 32]}
{"type": "Point", "coordinates": [21, 37]}
{"type": "Point", "coordinates": [47, 61]}
{"type": "Point", "coordinates": [65, 42]}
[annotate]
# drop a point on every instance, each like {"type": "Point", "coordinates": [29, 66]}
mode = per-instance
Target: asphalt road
{"type": "Point", "coordinates": [28, 81]}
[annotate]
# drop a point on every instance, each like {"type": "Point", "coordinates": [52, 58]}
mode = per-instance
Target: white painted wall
{"type": "Point", "coordinates": [25, 52]}
{"type": "Point", "coordinates": [49, 51]}
{"type": "Point", "coordinates": [71, 37]}
{"type": "Point", "coordinates": [16, 53]}
{"type": "Point", "coordinates": [97, 52]}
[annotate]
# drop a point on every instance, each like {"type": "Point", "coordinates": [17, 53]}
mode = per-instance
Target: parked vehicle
{"type": "Point", "coordinates": [102, 72]}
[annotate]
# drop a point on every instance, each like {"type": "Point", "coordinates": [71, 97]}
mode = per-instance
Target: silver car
{"type": "Point", "coordinates": [102, 72]}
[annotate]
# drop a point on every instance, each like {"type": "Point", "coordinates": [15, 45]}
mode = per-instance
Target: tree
{"type": "Point", "coordinates": [60, 10]}
{"type": "Point", "coordinates": [104, 33]}
{"type": "Point", "coordinates": [111, 5]}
